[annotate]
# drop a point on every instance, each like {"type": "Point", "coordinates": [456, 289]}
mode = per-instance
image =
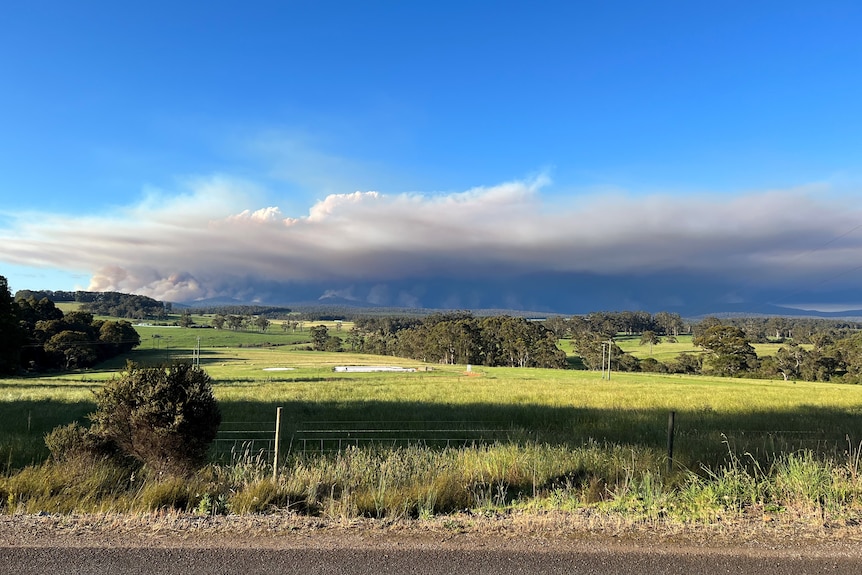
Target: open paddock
{"type": "Point", "coordinates": [560, 407]}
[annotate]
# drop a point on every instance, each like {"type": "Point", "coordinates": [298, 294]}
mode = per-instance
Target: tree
{"type": "Point", "coordinates": [686, 363]}
{"type": "Point", "coordinates": [669, 323]}
{"type": "Point", "coordinates": [122, 305]}
{"type": "Point", "coordinates": [559, 325]}
{"type": "Point", "coordinates": [356, 339]}
{"type": "Point", "coordinates": [333, 343]}
{"type": "Point", "coordinates": [186, 319]}
{"type": "Point", "coordinates": [32, 311]}
{"type": "Point", "coordinates": [788, 361]}
{"type": "Point", "coordinates": [164, 417]}
{"type": "Point", "coordinates": [706, 323]}
{"type": "Point", "coordinates": [730, 351]}
{"type": "Point", "coordinates": [593, 351]}
{"type": "Point", "coordinates": [75, 347]}
{"type": "Point", "coordinates": [12, 336]}
{"type": "Point", "coordinates": [262, 323]}
{"type": "Point", "coordinates": [118, 337]}
{"type": "Point", "coordinates": [650, 337]}
{"type": "Point", "coordinates": [218, 321]}
{"type": "Point", "coordinates": [319, 337]}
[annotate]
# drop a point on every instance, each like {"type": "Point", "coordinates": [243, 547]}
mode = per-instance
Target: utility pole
{"type": "Point", "coordinates": [196, 354]}
{"type": "Point", "coordinates": [607, 355]}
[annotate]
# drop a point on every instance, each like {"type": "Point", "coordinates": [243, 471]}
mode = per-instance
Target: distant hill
{"type": "Point", "coordinates": [335, 306]}
{"type": "Point", "coordinates": [743, 310]}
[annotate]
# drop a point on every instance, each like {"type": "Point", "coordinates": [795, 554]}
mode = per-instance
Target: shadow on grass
{"type": "Point", "coordinates": [702, 437]}
{"type": "Point", "coordinates": [24, 424]}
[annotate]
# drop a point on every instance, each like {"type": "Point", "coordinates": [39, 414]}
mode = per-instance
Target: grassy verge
{"type": "Point", "coordinates": [418, 482]}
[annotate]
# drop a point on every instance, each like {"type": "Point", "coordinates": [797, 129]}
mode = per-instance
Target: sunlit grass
{"type": "Point", "coordinates": [664, 352]}
{"type": "Point", "coordinates": [668, 351]}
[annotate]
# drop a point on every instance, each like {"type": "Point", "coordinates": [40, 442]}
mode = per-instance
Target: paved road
{"type": "Point", "coordinates": [184, 561]}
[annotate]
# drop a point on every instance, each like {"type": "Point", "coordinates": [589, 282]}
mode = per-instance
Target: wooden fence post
{"type": "Point", "coordinates": [277, 442]}
{"type": "Point", "coordinates": [670, 432]}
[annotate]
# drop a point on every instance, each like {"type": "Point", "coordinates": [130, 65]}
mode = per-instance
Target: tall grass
{"type": "Point", "coordinates": [418, 482]}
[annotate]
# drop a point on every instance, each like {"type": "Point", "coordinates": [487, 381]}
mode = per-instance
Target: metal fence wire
{"type": "Point", "coordinates": [329, 436]}
{"type": "Point", "coordinates": [245, 440]}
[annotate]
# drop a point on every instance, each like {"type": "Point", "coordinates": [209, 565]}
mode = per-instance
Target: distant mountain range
{"type": "Point", "coordinates": [335, 303]}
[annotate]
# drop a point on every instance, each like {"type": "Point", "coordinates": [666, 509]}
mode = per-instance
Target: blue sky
{"type": "Point", "coordinates": [429, 153]}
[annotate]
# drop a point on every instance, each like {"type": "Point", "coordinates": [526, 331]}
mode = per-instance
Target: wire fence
{"type": "Point", "coordinates": [245, 440]}
{"type": "Point", "coordinates": [329, 436]}
{"type": "Point", "coordinates": [257, 439]}
{"type": "Point", "coordinates": [261, 439]}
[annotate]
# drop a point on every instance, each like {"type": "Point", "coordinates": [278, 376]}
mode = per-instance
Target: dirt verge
{"type": "Point", "coordinates": [549, 531]}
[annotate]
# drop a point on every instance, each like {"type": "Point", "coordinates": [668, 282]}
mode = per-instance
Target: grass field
{"type": "Point", "coordinates": [553, 406]}
{"type": "Point", "coordinates": [665, 351]}
{"type": "Point", "coordinates": [569, 438]}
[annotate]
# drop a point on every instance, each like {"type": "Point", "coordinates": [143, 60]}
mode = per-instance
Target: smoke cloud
{"type": "Point", "coordinates": [211, 241]}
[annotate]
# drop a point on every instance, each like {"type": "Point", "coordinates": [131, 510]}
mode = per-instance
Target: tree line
{"type": "Point", "coordinates": [456, 338]}
{"type": "Point", "coordinates": [35, 335]}
{"type": "Point", "coordinates": [113, 304]}
{"type": "Point", "coordinates": [812, 349]}
{"type": "Point", "coordinates": [272, 312]}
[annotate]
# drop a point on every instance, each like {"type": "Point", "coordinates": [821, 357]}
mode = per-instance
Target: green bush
{"type": "Point", "coordinates": [166, 418]}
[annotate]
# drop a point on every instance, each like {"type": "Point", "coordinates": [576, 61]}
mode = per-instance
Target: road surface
{"type": "Point", "coordinates": [184, 561]}
{"type": "Point", "coordinates": [186, 544]}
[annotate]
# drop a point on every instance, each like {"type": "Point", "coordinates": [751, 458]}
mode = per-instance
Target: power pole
{"type": "Point", "coordinates": [607, 355]}
{"type": "Point", "coordinates": [196, 354]}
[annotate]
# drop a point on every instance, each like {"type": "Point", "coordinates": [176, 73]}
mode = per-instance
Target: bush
{"type": "Point", "coordinates": [72, 441]}
{"type": "Point", "coordinates": [166, 418]}
{"type": "Point", "coordinates": [652, 365]}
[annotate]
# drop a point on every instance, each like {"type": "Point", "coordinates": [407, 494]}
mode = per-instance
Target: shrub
{"type": "Point", "coordinates": [164, 417]}
{"type": "Point", "coordinates": [72, 441]}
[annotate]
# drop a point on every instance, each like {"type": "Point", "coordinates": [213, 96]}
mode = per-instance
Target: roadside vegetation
{"type": "Point", "coordinates": [565, 439]}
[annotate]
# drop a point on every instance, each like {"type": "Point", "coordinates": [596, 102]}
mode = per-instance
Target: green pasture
{"type": "Point", "coordinates": [68, 306]}
{"type": "Point", "coordinates": [555, 407]}
{"type": "Point", "coordinates": [667, 351]}
{"type": "Point", "coordinates": [663, 352]}
{"type": "Point", "coordinates": [183, 340]}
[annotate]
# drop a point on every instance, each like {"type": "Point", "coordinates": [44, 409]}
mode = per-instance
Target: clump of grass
{"type": "Point", "coordinates": [170, 493]}
{"type": "Point", "coordinates": [259, 497]}
{"type": "Point", "coordinates": [74, 485]}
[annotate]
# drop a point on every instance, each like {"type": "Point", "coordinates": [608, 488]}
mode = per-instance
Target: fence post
{"type": "Point", "coordinates": [277, 442]}
{"type": "Point", "coordinates": [670, 432]}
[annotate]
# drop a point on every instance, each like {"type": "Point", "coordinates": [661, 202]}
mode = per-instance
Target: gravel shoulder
{"type": "Point", "coordinates": [533, 532]}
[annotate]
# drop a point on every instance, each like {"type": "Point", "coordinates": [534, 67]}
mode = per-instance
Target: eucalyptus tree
{"type": "Point", "coordinates": [729, 350]}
